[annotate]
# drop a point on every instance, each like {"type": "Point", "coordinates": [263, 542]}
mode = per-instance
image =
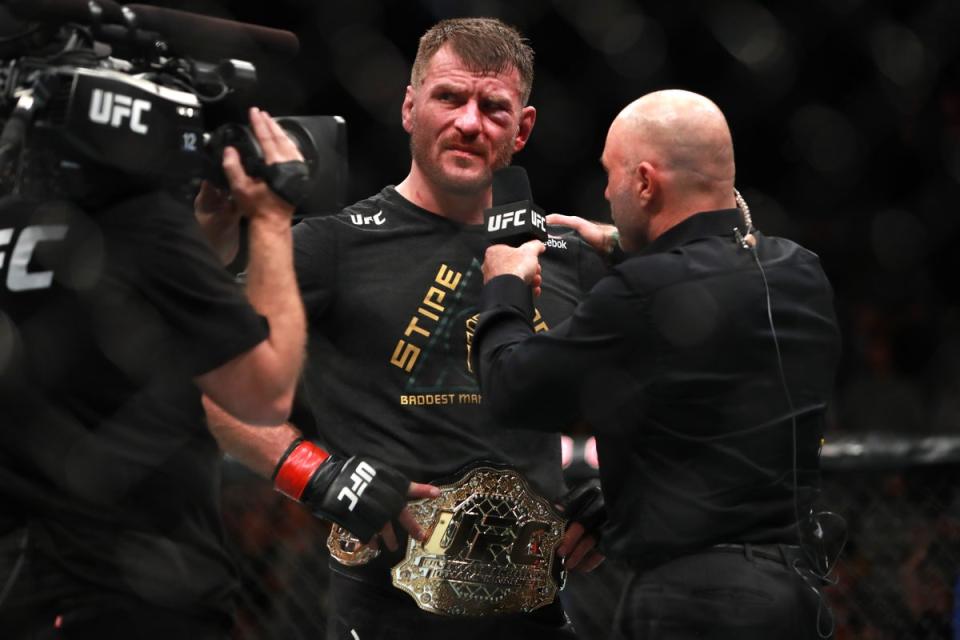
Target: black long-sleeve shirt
{"type": "Point", "coordinates": [671, 359]}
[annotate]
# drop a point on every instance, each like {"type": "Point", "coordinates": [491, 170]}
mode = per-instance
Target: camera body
{"type": "Point", "coordinates": [113, 120]}
{"type": "Point", "coordinates": [80, 123]}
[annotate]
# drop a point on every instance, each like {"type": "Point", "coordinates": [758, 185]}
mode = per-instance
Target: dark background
{"type": "Point", "coordinates": [846, 122]}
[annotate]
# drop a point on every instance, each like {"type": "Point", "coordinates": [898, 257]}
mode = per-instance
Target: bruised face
{"type": "Point", "coordinates": [464, 125]}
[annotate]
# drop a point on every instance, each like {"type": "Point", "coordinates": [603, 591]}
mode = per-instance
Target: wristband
{"type": "Point", "coordinates": [584, 504]}
{"type": "Point", "coordinates": [289, 180]}
{"type": "Point", "coordinates": [613, 240]}
{"type": "Point", "coordinates": [297, 466]}
{"type": "Point", "coordinates": [614, 252]}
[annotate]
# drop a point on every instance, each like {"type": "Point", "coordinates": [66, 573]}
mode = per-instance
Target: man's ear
{"type": "Point", "coordinates": [406, 109]}
{"type": "Point", "coordinates": [646, 182]}
{"type": "Point", "coordinates": [528, 116]}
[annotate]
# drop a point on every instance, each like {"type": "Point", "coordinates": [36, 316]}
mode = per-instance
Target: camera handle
{"type": "Point", "coordinates": [30, 102]}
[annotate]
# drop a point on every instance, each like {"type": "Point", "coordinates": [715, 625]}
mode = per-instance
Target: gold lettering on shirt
{"type": "Point", "coordinates": [539, 324]}
{"type": "Point", "coordinates": [413, 326]}
{"type": "Point", "coordinates": [439, 399]}
{"type": "Point", "coordinates": [423, 322]}
{"type": "Point", "coordinates": [405, 355]}
{"type": "Point", "coordinates": [434, 298]}
{"type": "Point", "coordinates": [471, 329]}
{"type": "Point", "coordinates": [448, 278]}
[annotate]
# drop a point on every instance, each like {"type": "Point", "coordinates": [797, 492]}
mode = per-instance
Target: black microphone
{"type": "Point", "coordinates": [514, 218]}
{"type": "Point", "coordinates": [186, 33]}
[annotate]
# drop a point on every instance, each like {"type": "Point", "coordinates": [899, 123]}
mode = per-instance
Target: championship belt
{"type": "Point", "coordinates": [347, 549]}
{"type": "Point", "coordinates": [490, 547]}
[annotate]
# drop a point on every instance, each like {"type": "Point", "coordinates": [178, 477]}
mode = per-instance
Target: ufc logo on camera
{"type": "Point", "coordinates": [361, 477]}
{"type": "Point", "coordinates": [112, 109]}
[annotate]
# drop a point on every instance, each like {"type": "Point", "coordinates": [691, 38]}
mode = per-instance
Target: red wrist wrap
{"type": "Point", "coordinates": [295, 472]}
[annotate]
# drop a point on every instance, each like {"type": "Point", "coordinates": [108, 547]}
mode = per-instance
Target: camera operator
{"type": "Point", "coordinates": [109, 480]}
{"type": "Point", "coordinates": [115, 314]}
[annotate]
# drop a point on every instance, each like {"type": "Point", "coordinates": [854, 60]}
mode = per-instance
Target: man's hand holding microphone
{"type": "Point", "coordinates": [522, 261]}
{"type": "Point", "coordinates": [516, 228]}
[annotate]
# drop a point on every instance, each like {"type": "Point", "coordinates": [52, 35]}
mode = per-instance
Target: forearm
{"type": "Point", "coordinates": [327, 484]}
{"type": "Point", "coordinates": [511, 387]}
{"type": "Point", "coordinates": [272, 290]}
{"type": "Point", "coordinates": [223, 236]}
{"type": "Point", "coordinates": [257, 448]}
{"type": "Point", "coordinates": [541, 381]}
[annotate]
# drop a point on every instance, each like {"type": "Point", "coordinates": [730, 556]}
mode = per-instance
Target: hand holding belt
{"type": "Point", "coordinates": [584, 504]}
{"type": "Point", "coordinates": [586, 514]}
{"type": "Point", "coordinates": [490, 547]}
{"type": "Point", "coordinates": [360, 494]}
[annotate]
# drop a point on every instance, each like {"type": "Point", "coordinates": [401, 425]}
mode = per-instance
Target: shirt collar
{"type": "Point", "coordinates": [699, 225]}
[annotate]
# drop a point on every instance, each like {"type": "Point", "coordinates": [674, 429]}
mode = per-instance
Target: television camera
{"type": "Point", "coordinates": [96, 97]}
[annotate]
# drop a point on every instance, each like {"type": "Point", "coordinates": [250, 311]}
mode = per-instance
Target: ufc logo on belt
{"type": "Point", "coordinates": [361, 477]}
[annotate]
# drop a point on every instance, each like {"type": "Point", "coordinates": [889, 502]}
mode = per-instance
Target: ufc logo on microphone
{"type": "Point", "coordinates": [111, 108]}
{"type": "Point", "coordinates": [361, 477]}
{"type": "Point", "coordinates": [517, 218]}
{"type": "Point", "coordinates": [506, 219]}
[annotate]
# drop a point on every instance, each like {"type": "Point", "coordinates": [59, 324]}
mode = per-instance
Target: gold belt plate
{"type": "Point", "coordinates": [490, 547]}
{"type": "Point", "coordinates": [347, 549]}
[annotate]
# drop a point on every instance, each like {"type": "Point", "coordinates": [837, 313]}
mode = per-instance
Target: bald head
{"type": "Point", "coordinates": [683, 133]}
{"type": "Point", "coordinates": [668, 156]}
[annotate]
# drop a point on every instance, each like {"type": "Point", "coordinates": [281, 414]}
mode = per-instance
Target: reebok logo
{"type": "Point", "coordinates": [556, 243]}
{"type": "Point", "coordinates": [361, 477]}
{"type": "Point", "coordinates": [112, 109]}
{"type": "Point", "coordinates": [360, 220]}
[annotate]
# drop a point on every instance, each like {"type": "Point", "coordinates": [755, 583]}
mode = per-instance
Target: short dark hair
{"type": "Point", "coordinates": [485, 45]}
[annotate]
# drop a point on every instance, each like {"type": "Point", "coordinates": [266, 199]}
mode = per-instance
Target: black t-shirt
{"type": "Point", "coordinates": [391, 293]}
{"type": "Point", "coordinates": [104, 321]}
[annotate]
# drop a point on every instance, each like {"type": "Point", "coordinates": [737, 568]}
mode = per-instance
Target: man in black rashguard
{"type": "Point", "coordinates": [390, 286]}
{"type": "Point", "coordinates": [704, 361]}
{"type": "Point", "coordinates": [113, 311]}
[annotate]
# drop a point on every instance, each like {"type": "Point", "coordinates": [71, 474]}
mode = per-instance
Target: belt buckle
{"type": "Point", "coordinates": [489, 550]}
{"type": "Point", "coordinates": [347, 549]}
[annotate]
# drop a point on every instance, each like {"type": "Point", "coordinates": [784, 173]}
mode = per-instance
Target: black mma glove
{"type": "Point", "coordinates": [290, 180]}
{"type": "Point", "coordinates": [584, 504]}
{"type": "Point", "coordinates": [360, 494]}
